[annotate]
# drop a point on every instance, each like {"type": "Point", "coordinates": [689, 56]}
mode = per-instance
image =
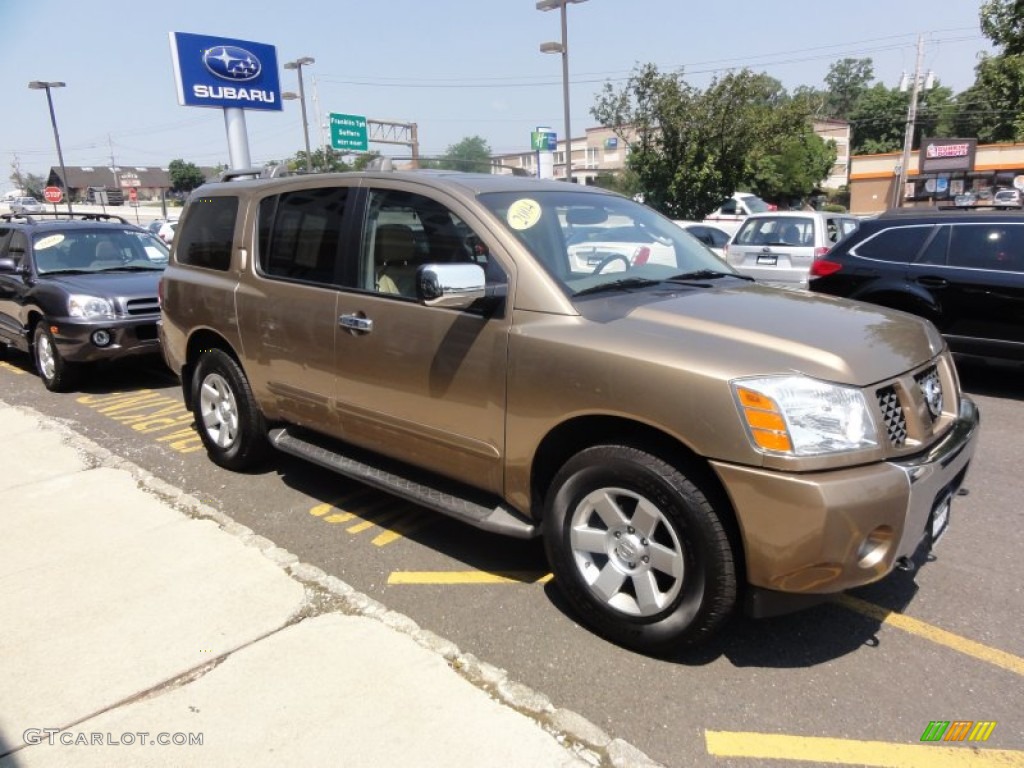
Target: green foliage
{"type": "Point", "coordinates": [833, 208]}
{"type": "Point", "coordinates": [29, 183]}
{"type": "Point", "coordinates": [472, 154]}
{"type": "Point", "coordinates": [793, 168]}
{"type": "Point", "coordinates": [993, 108]}
{"type": "Point", "coordinates": [847, 79]}
{"type": "Point", "coordinates": [625, 182]}
{"type": "Point", "coordinates": [323, 160]}
{"type": "Point", "coordinates": [691, 149]}
{"type": "Point", "coordinates": [184, 176]}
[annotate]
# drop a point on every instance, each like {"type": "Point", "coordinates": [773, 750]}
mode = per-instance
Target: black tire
{"type": "Point", "coordinates": [228, 419]}
{"type": "Point", "coordinates": [686, 588]}
{"type": "Point", "coordinates": [57, 374]}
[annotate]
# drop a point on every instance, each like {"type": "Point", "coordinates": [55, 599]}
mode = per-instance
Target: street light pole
{"type": "Point", "coordinates": [297, 65]}
{"type": "Point", "coordinates": [563, 48]}
{"type": "Point", "coordinates": [42, 85]}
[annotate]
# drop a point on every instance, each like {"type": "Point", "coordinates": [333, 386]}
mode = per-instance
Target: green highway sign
{"type": "Point", "coordinates": [348, 132]}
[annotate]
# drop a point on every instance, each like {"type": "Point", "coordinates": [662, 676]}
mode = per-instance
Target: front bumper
{"type": "Point", "coordinates": [128, 337]}
{"type": "Point", "coordinates": [825, 532]}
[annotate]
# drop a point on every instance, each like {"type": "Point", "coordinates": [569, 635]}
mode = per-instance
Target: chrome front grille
{"type": "Point", "coordinates": [893, 416]}
{"type": "Point", "coordinates": [917, 407]}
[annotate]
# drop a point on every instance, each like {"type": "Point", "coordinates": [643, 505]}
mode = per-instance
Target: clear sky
{"type": "Point", "coordinates": [456, 68]}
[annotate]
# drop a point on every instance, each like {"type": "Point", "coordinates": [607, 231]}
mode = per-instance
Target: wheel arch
{"type": "Point", "coordinates": [201, 340]}
{"type": "Point", "coordinates": [915, 302]}
{"type": "Point", "coordinates": [572, 436]}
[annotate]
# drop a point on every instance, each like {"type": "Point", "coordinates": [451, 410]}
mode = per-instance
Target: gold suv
{"type": "Point", "coordinates": [685, 439]}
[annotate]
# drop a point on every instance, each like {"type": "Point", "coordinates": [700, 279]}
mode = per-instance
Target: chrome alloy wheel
{"type": "Point", "coordinates": [219, 410]}
{"type": "Point", "coordinates": [626, 551]}
{"type": "Point", "coordinates": [46, 357]}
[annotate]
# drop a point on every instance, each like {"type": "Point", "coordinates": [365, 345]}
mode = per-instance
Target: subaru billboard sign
{"type": "Point", "coordinates": [222, 72]}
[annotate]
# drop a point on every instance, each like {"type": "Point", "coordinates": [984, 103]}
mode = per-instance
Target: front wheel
{"type": "Point", "coordinates": [639, 550]}
{"type": "Point", "coordinates": [58, 374]}
{"type": "Point", "coordinates": [228, 419]}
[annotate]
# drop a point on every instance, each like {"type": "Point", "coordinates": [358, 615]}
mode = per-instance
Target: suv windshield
{"type": "Point", "coordinates": [585, 240]}
{"type": "Point", "coordinates": [97, 250]}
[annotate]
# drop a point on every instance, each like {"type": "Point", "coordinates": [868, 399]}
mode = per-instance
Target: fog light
{"type": "Point", "coordinates": [875, 547]}
{"type": "Point", "coordinates": [101, 338]}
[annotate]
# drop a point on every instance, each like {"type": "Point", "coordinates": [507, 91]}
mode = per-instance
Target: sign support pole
{"type": "Point", "coordinates": [238, 139]}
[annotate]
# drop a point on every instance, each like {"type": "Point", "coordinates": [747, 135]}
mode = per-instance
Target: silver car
{"type": "Point", "coordinates": [779, 247]}
{"type": "Point", "coordinates": [26, 205]}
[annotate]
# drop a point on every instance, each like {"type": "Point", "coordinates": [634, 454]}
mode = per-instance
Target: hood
{"type": "Point", "coordinates": [109, 284]}
{"type": "Point", "coordinates": [759, 330]}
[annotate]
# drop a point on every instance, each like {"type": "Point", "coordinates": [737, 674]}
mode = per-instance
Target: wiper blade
{"type": "Point", "coordinates": [66, 272]}
{"type": "Point", "coordinates": [130, 268]}
{"type": "Point", "coordinates": [618, 285]}
{"type": "Point", "coordinates": [707, 274]}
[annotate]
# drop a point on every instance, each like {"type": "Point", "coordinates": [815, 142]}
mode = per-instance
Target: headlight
{"type": "Point", "coordinates": [800, 416]}
{"type": "Point", "coordinates": [89, 307]}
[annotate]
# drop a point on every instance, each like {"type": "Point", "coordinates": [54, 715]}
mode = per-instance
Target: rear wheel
{"type": "Point", "coordinates": [639, 550]}
{"type": "Point", "coordinates": [228, 419]}
{"type": "Point", "coordinates": [58, 374]}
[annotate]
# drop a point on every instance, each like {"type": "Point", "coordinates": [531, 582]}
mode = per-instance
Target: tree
{"type": "Point", "coordinates": [880, 118]}
{"type": "Point", "coordinates": [995, 103]}
{"type": "Point", "coordinates": [795, 169]}
{"type": "Point", "coordinates": [184, 176]}
{"type": "Point", "coordinates": [472, 154]}
{"type": "Point", "coordinates": [847, 80]}
{"type": "Point", "coordinates": [28, 183]}
{"type": "Point", "coordinates": [691, 149]}
{"type": "Point", "coordinates": [323, 160]}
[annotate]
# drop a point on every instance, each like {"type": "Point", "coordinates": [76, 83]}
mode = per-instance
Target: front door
{"type": "Point", "coordinates": [421, 384]}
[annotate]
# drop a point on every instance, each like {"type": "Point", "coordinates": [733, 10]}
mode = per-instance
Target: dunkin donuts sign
{"type": "Point", "coordinates": [947, 155]}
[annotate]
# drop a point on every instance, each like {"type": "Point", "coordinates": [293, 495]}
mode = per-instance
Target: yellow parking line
{"type": "Point", "coordinates": [11, 368]}
{"type": "Point", "coordinates": [933, 633]}
{"type": "Point", "coordinates": [469, 577]}
{"type": "Point", "coordinates": [880, 754]}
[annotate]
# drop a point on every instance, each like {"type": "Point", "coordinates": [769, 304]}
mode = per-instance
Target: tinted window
{"type": "Point", "coordinates": [895, 243]}
{"type": "Point", "coordinates": [937, 249]}
{"type": "Point", "coordinates": [987, 246]}
{"type": "Point", "coordinates": [206, 237]}
{"type": "Point", "coordinates": [299, 234]}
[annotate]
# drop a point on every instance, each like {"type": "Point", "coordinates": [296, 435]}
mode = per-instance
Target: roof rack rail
{"type": "Point", "coordinates": [50, 216]}
{"type": "Point", "coordinates": [267, 172]}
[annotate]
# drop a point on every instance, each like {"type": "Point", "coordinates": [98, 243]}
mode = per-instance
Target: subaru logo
{"type": "Point", "coordinates": [229, 62]}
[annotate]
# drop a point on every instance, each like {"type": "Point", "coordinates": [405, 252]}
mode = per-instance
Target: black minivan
{"type": "Point", "coordinates": [963, 270]}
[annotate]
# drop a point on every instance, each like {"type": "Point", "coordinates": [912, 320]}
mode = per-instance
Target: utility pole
{"type": "Point", "coordinates": [908, 139]}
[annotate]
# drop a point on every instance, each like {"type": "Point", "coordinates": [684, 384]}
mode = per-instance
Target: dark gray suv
{"type": "Point", "coordinates": [78, 290]}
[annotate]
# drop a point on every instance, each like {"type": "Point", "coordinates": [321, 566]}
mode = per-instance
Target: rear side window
{"type": "Point", "coordinates": [204, 239]}
{"type": "Point", "coordinates": [299, 234]}
{"type": "Point", "coordinates": [896, 244]}
{"type": "Point", "coordinates": [987, 246]}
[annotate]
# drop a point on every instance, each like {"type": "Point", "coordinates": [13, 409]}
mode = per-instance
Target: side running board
{"type": "Point", "coordinates": [441, 495]}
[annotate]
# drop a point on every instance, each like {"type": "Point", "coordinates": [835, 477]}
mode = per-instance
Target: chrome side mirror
{"type": "Point", "coordinates": [456, 286]}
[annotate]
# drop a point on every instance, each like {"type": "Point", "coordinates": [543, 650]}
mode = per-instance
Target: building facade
{"type": "Point", "coordinates": [987, 168]}
{"type": "Point", "coordinates": [601, 151]}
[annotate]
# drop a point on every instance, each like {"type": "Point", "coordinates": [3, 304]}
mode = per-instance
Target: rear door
{"type": "Point", "coordinates": [288, 303]}
{"type": "Point", "coordinates": [980, 287]}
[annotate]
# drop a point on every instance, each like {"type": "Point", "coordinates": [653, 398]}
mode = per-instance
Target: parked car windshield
{"type": "Point", "coordinates": [97, 250]}
{"type": "Point", "coordinates": [585, 240]}
{"type": "Point", "coordinates": [755, 204]}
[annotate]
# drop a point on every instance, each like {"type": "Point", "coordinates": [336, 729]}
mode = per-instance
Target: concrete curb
{"type": "Point", "coordinates": [327, 594]}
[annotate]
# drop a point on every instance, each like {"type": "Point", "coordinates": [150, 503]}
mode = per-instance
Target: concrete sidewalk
{"type": "Point", "coordinates": [133, 615]}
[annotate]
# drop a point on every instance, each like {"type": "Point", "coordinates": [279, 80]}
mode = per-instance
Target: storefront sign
{"type": "Point", "coordinates": [947, 155]}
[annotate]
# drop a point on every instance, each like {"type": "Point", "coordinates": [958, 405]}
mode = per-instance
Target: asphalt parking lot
{"type": "Point", "coordinates": [858, 681]}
